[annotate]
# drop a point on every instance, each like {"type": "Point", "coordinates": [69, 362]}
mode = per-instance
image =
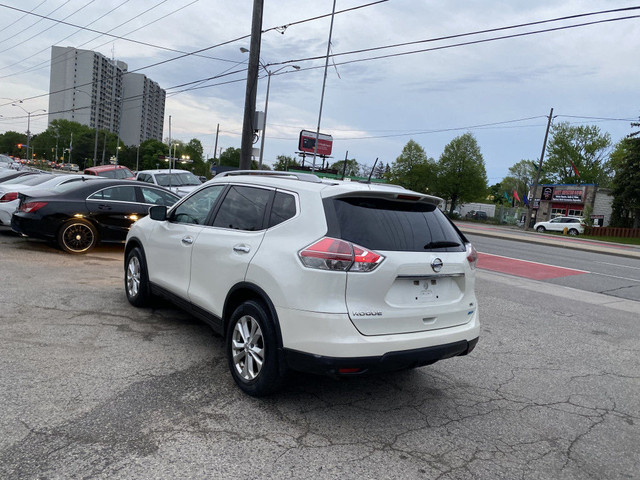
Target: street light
{"type": "Point", "coordinates": [28, 121]}
{"type": "Point", "coordinates": [266, 101]}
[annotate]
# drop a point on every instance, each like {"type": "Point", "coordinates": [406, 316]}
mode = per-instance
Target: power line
{"type": "Point", "coordinates": [478, 32]}
{"type": "Point", "coordinates": [48, 28]}
{"type": "Point", "coordinates": [196, 52]}
{"type": "Point", "coordinates": [59, 41]}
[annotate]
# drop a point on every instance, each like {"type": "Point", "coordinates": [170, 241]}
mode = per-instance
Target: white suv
{"type": "Point", "coordinates": [337, 278]}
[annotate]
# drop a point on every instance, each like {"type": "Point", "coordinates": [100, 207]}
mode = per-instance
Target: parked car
{"type": "Point", "coordinates": [10, 190]}
{"type": "Point", "coordinates": [328, 277]}
{"type": "Point", "coordinates": [574, 225]}
{"type": "Point", "coordinates": [119, 172]}
{"type": "Point", "coordinates": [6, 175]}
{"type": "Point", "coordinates": [70, 167]}
{"type": "Point", "coordinates": [79, 215]}
{"type": "Point", "coordinates": [179, 181]}
{"type": "Point", "coordinates": [476, 215]}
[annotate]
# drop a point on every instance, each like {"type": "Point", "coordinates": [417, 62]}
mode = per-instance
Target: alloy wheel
{"type": "Point", "coordinates": [247, 348]}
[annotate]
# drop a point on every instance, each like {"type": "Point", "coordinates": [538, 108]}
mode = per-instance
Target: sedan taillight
{"type": "Point", "coordinates": [339, 255]}
{"type": "Point", "coordinates": [31, 207]}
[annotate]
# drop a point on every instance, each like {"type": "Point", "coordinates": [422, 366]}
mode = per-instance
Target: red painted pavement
{"type": "Point", "coordinates": [523, 268]}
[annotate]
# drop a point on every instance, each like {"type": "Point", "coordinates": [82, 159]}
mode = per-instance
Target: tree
{"type": "Point", "coordinates": [284, 162]}
{"type": "Point", "coordinates": [352, 168]}
{"type": "Point", "coordinates": [230, 157]}
{"type": "Point", "coordinates": [461, 172]}
{"type": "Point", "coordinates": [150, 152]}
{"type": "Point", "coordinates": [413, 169]}
{"type": "Point", "coordinates": [583, 148]}
{"type": "Point", "coordinates": [625, 160]}
{"type": "Point", "coordinates": [9, 143]}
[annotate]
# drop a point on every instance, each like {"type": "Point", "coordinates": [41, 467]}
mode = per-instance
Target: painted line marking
{"type": "Point", "coordinates": [618, 265]}
{"type": "Point", "coordinates": [524, 268]}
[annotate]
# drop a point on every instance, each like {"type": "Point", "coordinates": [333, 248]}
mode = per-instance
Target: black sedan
{"type": "Point", "coordinates": [79, 215]}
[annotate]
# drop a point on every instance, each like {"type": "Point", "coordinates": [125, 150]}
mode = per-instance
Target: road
{"type": "Point", "coordinates": [94, 388]}
{"type": "Point", "coordinates": [594, 272]}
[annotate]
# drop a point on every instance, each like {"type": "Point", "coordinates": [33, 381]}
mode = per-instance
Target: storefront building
{"type": "Point", "coordinates": [564, 200]}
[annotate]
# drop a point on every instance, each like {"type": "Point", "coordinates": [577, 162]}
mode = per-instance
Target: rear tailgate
{"type": "Point", "coordinates": [424, 282]}
{"type": "Point", "coordinates": [404, 294]}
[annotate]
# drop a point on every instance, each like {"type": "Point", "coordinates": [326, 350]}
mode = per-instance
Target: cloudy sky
{"type": "Point", "coordinates": [403, 69]}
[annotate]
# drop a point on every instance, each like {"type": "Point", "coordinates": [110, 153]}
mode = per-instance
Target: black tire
{"type": "Point", "coordinates": [252, 351]}
{"type": "Point", "coordinates": [573, 232]}
{"type": "Point", "coordinates": [136, 279]}
{"type": "Point", "coordinates": [77, 236]}
{"type": "Point", "coordinates": [540, 229]}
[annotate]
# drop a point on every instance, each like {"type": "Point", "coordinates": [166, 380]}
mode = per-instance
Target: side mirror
{"type": "Point", "coordinates": [158, 212]}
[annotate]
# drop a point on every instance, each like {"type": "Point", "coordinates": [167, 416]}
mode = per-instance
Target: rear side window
{"type": "Point", "coordinates": [116, 194]}
{"type": "Point", "coordinates": [392, 225]}
{"type": "Point", "coordinates": [243, 208]}
{"type": "Point", "coordinates": [284, 208]}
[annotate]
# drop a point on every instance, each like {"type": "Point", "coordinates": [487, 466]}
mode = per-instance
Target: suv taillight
{"type": "Point", "coordinates": [31, 207]}
{"type": "Point", "coordinates": [9, 197]}
{"type": "Point", "coordinates": [472, 256]}
{"type": "Point", "coordinates": [339, 255]}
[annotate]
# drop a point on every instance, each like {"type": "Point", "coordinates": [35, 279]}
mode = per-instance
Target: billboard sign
{"type": "Point", "coordinates": [567, 195]}
{"type": "Point", "coordinates": [307, 143]}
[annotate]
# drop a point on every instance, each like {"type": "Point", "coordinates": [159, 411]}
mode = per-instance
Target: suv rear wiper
{"type": "Point", "coordinates": [443, 244]}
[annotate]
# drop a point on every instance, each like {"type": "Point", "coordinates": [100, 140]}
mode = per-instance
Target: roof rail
{"type": "Point", "coordinates": [304, 177]}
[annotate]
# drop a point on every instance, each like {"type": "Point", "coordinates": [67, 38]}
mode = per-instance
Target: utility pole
{"type": "Point", "coordinates": [535, 183]}
{"type": "Point", "coordinates": [324, 82]}
{"type": "Point", "coordinates": [252, 82]}
{"type": "Point", "coordinates": [215, 148]}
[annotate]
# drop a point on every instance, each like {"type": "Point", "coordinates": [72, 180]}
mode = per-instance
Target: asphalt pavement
{"type": "Point", "coordinates": [562, 241]}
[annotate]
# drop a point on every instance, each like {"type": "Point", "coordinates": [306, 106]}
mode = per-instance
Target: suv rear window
{"type": "Point", "coordinates": [391, 225]}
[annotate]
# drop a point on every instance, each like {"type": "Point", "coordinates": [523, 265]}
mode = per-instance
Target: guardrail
{"type": "Point", "coordinates": [612, 232]}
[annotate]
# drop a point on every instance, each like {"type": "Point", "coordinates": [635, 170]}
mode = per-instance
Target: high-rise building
{"type": "Point", "coordinates": [89, 88]}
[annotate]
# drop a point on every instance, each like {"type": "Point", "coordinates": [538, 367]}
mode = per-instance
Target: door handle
{"type": "Point", "coordinates": [187, 240]}
{"type": "Point", "coordinates": [104, 207]}
{"type": "Point", "coordinates": [242, 248]}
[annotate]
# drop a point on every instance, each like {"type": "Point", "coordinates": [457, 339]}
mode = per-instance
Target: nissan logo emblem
{"type": "Point", "coordinates": [436, 265]}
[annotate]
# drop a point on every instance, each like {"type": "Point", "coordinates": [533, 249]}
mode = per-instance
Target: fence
{"type": "Point", "coordinates": [612, 232]}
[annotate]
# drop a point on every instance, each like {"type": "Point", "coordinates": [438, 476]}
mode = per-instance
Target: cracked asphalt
{"type": "Point", "coordinates": [92, 388]}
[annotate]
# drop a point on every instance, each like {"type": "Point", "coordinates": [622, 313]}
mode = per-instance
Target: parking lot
{"type": "Point", "coordinates": [94, 388]}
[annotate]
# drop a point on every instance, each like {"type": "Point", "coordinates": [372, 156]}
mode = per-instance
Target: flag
{"type": "Point", "coordinates": [515, 195]}
{"type": "Point", "coordinates": [575, 169]}
{"type": "Point", "coordinates": [506, 196]}
{"type": "Point", "coordinates": [526, 200]}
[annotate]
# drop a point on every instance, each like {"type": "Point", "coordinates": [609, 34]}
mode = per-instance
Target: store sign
{"type": "Point", "coordinates": [567, 195]}
{"type": "Point", "coordinates": [547, 194]}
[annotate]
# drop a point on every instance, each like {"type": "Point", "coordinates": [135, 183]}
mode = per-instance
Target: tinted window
{"type": "Point", "coordinates": [116, 194]}
{"type": "Point", "coordinates": [119, 173]}
{"type": "Point", "coordinates": [284, 207]}
{"type": "Point", "coordinates": [383, 224]}
{"type": "Point", "coordinates": [243, 208]}
{"type": "Point", "coordinates": [157, 196]}
{"type": "Point", "coordinates": [196, 208]}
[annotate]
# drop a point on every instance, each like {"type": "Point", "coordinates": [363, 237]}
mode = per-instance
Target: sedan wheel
{"type": "Point", "coordinates": [77, 236]}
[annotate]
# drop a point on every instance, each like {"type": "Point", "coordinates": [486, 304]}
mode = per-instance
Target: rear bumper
{"type": "Point", "coordinates": [390, 361]}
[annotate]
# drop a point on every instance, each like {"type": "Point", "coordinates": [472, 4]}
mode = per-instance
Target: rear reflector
{"type": "Point", "coordinates": [339, 255]}
{"type": "Point", "coordinates": [349, 370]}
